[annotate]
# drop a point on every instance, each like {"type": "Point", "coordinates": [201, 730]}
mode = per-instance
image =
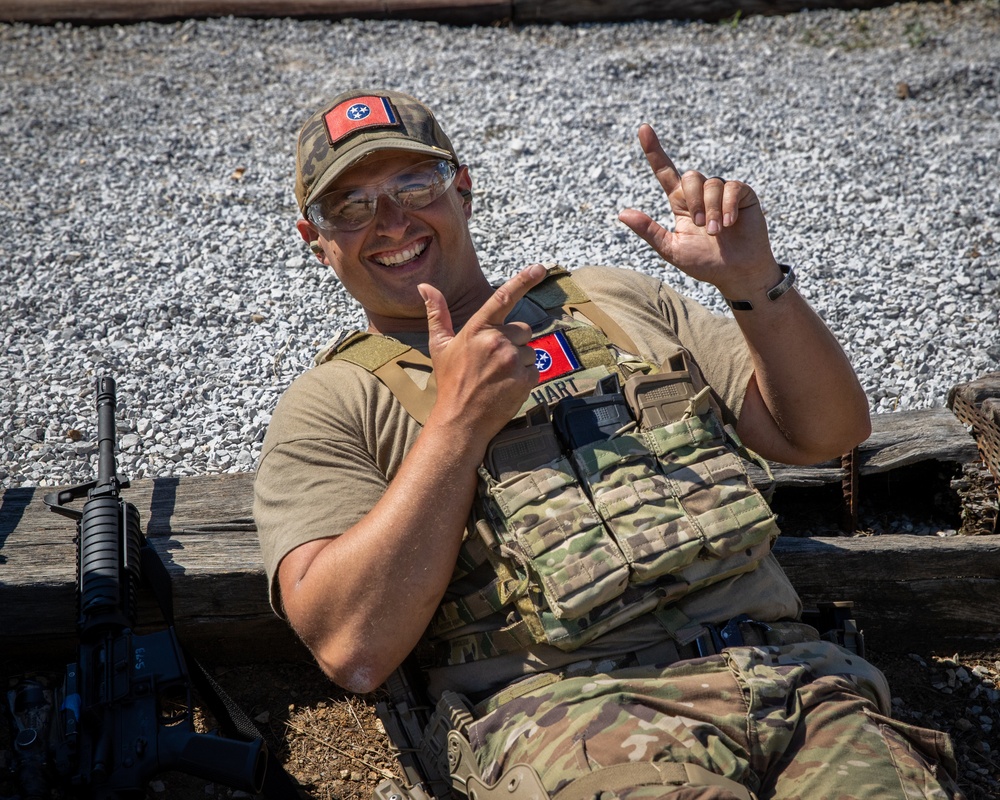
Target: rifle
{"type": "Point", "coordinates": [124, 712]}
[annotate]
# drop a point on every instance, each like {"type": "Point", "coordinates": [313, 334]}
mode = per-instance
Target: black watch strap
{"type": "Point", "coordinates": [773, 294]}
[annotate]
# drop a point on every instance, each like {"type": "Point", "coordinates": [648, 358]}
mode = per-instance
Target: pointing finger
{"type": "Point", "coordinates": [503, 300]}
{"type": "Point", "coordinates": [663, 168]}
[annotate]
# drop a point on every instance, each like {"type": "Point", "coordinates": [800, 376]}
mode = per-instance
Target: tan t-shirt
{"type": "Point", "coordinates": [338, 436]}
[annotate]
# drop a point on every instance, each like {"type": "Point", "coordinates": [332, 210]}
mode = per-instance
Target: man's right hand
{"type": "Point", "coordinates": [486, 370]}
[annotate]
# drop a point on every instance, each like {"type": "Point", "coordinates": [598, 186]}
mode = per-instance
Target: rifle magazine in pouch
{"type": "Point", "coordinates": [661, 398]}
{"type": "Point", "coordinates": [673, 495]}
{"type": "Point", "coordinates": [549, 526]}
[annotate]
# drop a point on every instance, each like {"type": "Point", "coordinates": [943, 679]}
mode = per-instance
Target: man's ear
{"type": "Point", "coordinates": [310, 234]}
{"type": "Point", "coordinates": [464, 183]}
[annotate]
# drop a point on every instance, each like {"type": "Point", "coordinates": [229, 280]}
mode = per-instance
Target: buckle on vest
{"type": "Point", "coordinates": [709, 641]}
{"type": "Point", "coordinates": [734, 633]}
{"type": "Point", "coordinates": [731, 634]}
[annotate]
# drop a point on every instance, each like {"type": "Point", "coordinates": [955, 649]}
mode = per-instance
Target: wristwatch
{"type": "Point", "coordinates": [772, 294]}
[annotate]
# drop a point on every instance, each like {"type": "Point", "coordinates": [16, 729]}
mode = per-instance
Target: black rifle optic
{"type": "Point", "coordinates": [124, 713]}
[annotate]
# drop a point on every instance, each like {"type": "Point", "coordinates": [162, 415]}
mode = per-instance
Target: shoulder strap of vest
{"type": "Point", "coordinates": [387, 359]}
{"type": "Point", "coordinates": [560, 292]}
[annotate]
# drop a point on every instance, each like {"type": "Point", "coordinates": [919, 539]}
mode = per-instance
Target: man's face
{"type": "Point", "coordinates": [382, 263]}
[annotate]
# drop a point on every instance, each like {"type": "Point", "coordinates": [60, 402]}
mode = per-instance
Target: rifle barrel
{"type": "Point", "coordinates": [107, 470]}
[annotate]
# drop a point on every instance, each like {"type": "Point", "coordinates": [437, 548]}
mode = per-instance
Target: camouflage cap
{"type": "Point", "coordinates": [357, 123]}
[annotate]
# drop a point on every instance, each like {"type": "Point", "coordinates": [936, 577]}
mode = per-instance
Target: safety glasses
{"type": "Point", "coordinates": [415, 187]}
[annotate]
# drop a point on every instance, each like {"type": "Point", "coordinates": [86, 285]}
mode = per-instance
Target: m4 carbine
{"type": "Point", "coordinates": [124, 712]}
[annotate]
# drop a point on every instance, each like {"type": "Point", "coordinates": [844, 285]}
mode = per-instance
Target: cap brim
{"type": "Point", "coordinates": [362, 149]}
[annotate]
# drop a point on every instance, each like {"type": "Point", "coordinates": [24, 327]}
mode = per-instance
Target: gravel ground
{"type": "Point", "coordinates": [147, 214]}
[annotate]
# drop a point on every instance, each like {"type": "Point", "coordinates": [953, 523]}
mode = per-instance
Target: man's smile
{"type": "Point", "coordinates": [395, 258]}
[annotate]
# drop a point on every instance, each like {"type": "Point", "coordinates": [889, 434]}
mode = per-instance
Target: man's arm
{"type": "Point", "coordinates": [361, 601]}
{"type": "Point", "coordinates": [804, 403]}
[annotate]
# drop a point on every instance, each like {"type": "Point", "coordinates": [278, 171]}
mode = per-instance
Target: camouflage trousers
{"type": "Point", "coordinates": [797, 721]}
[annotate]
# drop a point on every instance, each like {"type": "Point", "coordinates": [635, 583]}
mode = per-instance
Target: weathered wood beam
{"type": "Point", "coordinates": [464, 12]}
{"type": "Point", "coordinates": [451, 11]}
{"type": "Point", "coordinates": [897, 440]}
{"type": "Point", "coordinates": [907, 588]}
{"type": "Point", "coordinates": [908, 591]}
{"type": "Point", "coordinates": [202, 528]}
{"type": "Point", "coordinates": [527, 11]}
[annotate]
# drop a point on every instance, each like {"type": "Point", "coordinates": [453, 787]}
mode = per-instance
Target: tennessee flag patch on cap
{"type": "Point", "coordinates": [357, 114]}
{"type": "Point", "coordinates": [553, 356]}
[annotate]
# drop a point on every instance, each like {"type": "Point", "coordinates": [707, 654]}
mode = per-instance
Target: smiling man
{"type": "Point", "coordinates": [535, 493]}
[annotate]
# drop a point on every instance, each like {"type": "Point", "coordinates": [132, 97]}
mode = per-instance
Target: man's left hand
{"type": "Point", "coordinates": [719, 235]}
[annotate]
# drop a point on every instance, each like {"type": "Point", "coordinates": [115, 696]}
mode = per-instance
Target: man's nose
{"type": "Point", "coordinates": [389, 214]}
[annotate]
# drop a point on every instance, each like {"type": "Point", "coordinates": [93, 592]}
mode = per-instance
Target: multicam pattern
{"type": "Point", "coordinates": [636, 522]}
{"type": "Point", "coordinates": [554, 527]}
{"type": "Point", "coordinates": [674, 494]}
{"type": "Point", "coordinates": [803, 721]}
{"type": "Point", "coordinates": [318, 161]}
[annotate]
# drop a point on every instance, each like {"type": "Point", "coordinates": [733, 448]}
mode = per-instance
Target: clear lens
{"type": "Point", "coordinates": [412, 188]}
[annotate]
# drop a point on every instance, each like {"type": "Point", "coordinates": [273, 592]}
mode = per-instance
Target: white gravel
{"type": "Point", "coordinates": [147, 213]}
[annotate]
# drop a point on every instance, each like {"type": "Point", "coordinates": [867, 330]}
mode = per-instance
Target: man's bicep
{"type": "Point", "coordinates": [306, 493]}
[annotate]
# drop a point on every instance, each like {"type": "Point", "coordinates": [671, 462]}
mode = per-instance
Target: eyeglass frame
{"type": "Point", "coordinates": [374, 192]}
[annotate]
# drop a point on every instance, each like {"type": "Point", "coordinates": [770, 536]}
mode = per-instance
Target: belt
{"type": "Point", "coordinates": [740, 631]}
{"type": "Point", "coordinates": [712, 639]}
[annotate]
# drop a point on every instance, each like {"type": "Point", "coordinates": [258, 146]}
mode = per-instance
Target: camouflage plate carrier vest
{"type": "Point", "coordinates": [613, 493]}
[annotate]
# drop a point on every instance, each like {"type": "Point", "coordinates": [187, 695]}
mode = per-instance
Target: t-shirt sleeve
{"type": "Point", "coordinates": [329, 453]}
{"type": "Point", "coordinates": [717, 345]}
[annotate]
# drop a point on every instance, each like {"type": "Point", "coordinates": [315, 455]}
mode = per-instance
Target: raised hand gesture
{"type": "Point", "coordinates": [719, 236]}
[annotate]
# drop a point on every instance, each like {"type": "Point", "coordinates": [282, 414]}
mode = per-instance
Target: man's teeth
{"type": "Point", "coordinates": [402, 256]}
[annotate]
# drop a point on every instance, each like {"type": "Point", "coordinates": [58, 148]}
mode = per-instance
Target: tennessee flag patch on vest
{"type": "Point", "coordinates": [553, 356]}
{"type": "Point", "coordinates": [357, 114]}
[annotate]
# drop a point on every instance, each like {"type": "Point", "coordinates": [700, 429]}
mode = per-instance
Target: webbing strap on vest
{"type": "Point", "coordinates": [560, 291]}
{"type": "Point", "coordinates": [368, 350]}
{"type": "Point", "coordinates": [387, 359]}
